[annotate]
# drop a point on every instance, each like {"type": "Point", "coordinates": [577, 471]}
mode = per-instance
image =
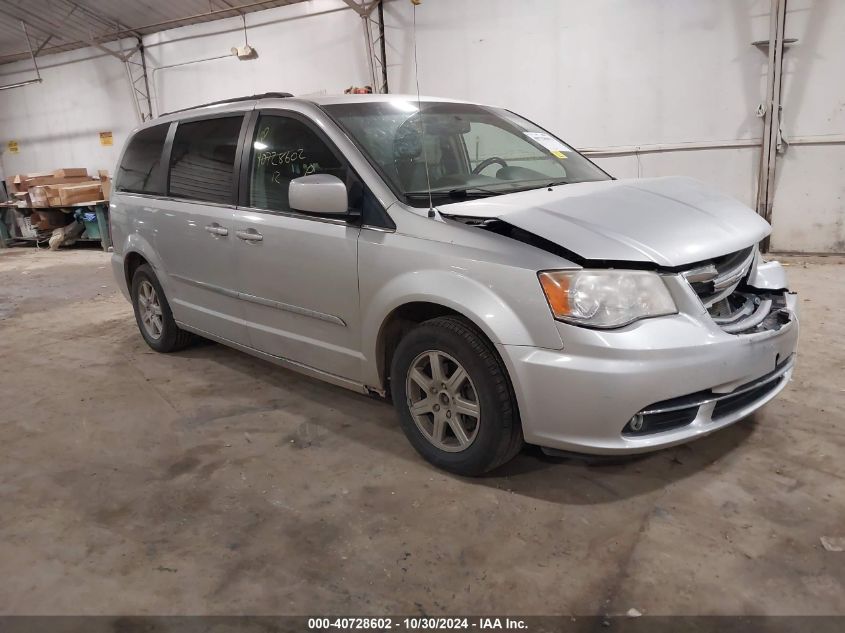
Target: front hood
{"type": "Point", "coordinates": [669, 221]}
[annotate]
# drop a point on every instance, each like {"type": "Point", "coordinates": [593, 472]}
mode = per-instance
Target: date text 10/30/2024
{"type": "Point", "coordinates": [416, 623]}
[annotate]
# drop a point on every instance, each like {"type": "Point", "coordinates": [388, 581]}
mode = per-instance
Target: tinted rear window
{"type": "Point", "coordinates": [202, 160]}
{"type": "Point", "coordinates": [140, 169]}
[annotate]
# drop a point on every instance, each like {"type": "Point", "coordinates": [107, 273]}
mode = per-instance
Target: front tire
{"type": "Point", "coordinates": [153, 315]}
{"type": "Point", "coordinates": [455, 402]}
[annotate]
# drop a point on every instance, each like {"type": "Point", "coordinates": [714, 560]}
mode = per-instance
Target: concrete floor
{"type": "Point", "coordinates": [211, 482]}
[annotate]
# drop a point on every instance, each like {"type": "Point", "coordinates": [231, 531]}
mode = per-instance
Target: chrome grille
{"type": "Point", "coordinates": [720, 277]}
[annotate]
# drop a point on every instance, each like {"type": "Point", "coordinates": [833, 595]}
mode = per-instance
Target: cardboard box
{"type": "Point", "coordinates": [86, 192]}
{"type": "Point", "coordinates": [45, 196]}
{"type": "Point", "coordinates": [20, 181]}
{"type": "Point", "coordinates": [105, 181]}
{"type": "Point", "coordinates": [48, 219]}
{"type": "Point", "coordinates": [71, 172]}
{"type": "Point", "coordinates": [50, 179]}
{"type": "Point", "coordinates": [38, 197]}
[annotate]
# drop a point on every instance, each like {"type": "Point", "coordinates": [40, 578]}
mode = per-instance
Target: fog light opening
{"type": "Point", "coordinates": [636, 423]}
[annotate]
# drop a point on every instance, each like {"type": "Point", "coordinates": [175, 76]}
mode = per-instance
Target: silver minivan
{"type": "Point", "coordinates": [460, 259]}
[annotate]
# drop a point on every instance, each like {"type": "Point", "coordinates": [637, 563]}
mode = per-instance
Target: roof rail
{"type": "Point", "coordinates": [263, 95]}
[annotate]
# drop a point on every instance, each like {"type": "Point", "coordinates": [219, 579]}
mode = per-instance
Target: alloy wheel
{"type": "Point", "coordinates": [443, 401]}
{"type": "Point", "coordinates": [149, 307]}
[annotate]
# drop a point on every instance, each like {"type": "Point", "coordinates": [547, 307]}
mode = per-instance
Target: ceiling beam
{"type": "Point", "coordinates": [362, 7]}
{"type": "Point", "coordinates": [108, 22]}
{"type": "Point", "coordinates": [71, 38]}
{"type": "Point", "coordinates": [52, 29]}
{"type": "Point", "coordinates": [191, 19]}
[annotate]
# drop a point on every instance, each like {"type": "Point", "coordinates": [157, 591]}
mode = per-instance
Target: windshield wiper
{"type": "Point", "coordinates": [462, 193]}
{"type": "Point", "coordinates": [457, 194]}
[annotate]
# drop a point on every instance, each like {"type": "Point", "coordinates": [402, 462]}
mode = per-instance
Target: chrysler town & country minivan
{"type": "Point", "coordinates": [497, 285]}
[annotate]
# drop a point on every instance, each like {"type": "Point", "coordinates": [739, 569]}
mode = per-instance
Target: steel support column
{"type": "Point", "coordinates": [136, 73]}
{"type": "Point", "coordinates": [374, 40]}
{"type": "Point", "coordinates": [772, 114]}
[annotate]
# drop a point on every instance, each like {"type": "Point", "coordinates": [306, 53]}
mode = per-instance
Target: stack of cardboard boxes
{"type": "Point", "coordinates": [71, 186]}
{"type": "Point", "coordinates": [61, 188]}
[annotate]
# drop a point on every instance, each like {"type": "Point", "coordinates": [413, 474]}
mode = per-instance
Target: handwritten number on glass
{"type": "Point", "coordinates": [281, 158]}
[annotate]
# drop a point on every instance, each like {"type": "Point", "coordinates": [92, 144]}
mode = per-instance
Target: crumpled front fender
{"type": "Point", "coordinates": [767, 275]}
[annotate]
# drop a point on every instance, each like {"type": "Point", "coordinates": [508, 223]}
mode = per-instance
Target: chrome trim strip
{"type": "Point", "coordinates": [378, 229]}
{"type": "Point", "coordinates": [711, 300]}
{"type": "Point", "coordinates": [734, 275]}
{"type": "Point", "coordinates": [206, 286]}
{"type": "Point", "coordinates": [287, 214]}
{"type": "Point", "coordinates": [702, 273]}
{"type": "Point", "coordinates": [164, 198]}
{"type": "Point", "coordinates": [298, 216]}
{"type": "Point", "coordinates": [287, 307]}
{"type": "Point", "coordinates": [707, 399]}
{"type": "Point", "coordinates": [724, 283]}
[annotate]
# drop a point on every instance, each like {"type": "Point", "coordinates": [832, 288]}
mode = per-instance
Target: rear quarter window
{"type": "Point", "coordinates": [140, 171]}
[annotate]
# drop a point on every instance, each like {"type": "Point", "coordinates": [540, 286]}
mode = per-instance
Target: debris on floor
{"type": "Point", "coordinates": [833, 543]}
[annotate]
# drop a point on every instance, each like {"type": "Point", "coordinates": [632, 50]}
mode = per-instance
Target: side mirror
{"type": "Point", "coordinates": [318, 193]}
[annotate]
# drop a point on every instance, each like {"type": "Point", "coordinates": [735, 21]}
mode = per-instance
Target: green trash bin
{"type": "Point", "coordinates": [92, 230]}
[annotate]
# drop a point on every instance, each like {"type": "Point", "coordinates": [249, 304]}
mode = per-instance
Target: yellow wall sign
{"type": "Point", "coordinates": [13, 147]}
{"type": "Point", "coordinates": [106, 139]}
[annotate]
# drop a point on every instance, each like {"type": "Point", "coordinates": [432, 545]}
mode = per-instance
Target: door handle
{"type": "Point", "coordinates": [250, 235]}
{"type": "Point", "coordinates": [216, 229]}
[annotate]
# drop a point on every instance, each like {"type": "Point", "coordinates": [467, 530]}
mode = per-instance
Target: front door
{"type": "Point", "coordinates": [298, 271]}
{"type": "Point", "coordinates": [194, 227]}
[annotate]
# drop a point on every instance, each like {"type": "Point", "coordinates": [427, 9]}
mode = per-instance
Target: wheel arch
{"type": "Point", "coordinates": [388, 321]}
{"type": "Point", "coordinates": [399, 322]}
{"type": "Point", "coordinates": [137, 251]}
{"type": "Point", "coordinates": [131, 262]}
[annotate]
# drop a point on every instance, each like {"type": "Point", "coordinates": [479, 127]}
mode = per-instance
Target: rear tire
{"type": "Point", "coordinates": [153, 314]}
{"type": "Point", "coordinates": [454, 399]}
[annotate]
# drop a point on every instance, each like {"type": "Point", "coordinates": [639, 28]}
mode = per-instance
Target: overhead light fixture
{"type": "Point", "coordinates": [245, 52]}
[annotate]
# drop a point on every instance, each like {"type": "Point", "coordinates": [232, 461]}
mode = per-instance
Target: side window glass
{"type": "Point", "coordinates": [140, 169]}
{"type": "Point", "coordinates": [285, 148]}
{"type": "Point", "coordinates": [202, 160]}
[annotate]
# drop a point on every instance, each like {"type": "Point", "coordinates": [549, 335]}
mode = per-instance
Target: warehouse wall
{"type": "Point", "coordinates": [809, 206]}
{"type": "Point", "coordinates": [314, 47]}
{"type": "Point", "coordinates": [605, 75]}
{"type": "Point", "coordinates": [612, 74]}
{"type": "Point", "coordinates": [307, 48]}
{"type": "Point", "coordinates": [57, 122]}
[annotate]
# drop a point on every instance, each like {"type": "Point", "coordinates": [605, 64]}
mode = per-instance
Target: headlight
{"type": "Point", "coordinates": [606, 298]}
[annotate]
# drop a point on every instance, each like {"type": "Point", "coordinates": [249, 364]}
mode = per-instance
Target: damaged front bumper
{"type": "Point", "coordinates": [664, 381]}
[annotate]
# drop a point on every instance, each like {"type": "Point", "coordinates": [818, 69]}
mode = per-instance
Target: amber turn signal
{"type": "Point", "coordinates": [556, 289]}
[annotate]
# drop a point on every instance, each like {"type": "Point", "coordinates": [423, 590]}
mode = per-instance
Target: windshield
{"type": "Point", "coordinates": [470, 150]}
